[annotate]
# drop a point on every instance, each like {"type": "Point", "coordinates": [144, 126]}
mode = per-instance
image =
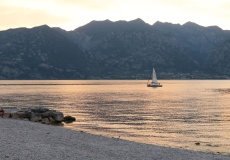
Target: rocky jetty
{"type": "Point", "coordinates": [38, 114]}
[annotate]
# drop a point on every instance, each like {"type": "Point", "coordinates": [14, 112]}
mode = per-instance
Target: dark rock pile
{"type": "Point", "coordinates": [42, 115]}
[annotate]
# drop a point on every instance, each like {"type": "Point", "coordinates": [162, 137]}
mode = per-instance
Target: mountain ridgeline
{"type": "Point", "coordinates": [115, 50]}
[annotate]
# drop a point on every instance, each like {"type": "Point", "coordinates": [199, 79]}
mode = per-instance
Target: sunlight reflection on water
{"type": "Point", "coordinates": [179, 114]}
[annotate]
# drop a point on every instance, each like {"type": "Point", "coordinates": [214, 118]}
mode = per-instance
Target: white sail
{"type": "Point", "coordinates": [154, 77]}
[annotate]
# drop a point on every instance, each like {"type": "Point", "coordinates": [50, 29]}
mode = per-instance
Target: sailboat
{"type": "Point", "coordinates": [154, 82]}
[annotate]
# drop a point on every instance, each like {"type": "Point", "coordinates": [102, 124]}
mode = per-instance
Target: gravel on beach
{"type": "Point", "coordinates": [24, 140]}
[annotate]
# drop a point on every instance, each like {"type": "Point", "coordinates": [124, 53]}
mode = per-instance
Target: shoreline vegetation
{"type": "Point", "coordinates": [24, 139]}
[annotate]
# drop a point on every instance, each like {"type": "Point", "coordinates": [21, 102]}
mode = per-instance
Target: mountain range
{"type": "Point", "coordinates": [116, 50]}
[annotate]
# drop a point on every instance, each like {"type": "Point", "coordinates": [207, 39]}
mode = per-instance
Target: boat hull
{"type": "Point", "coordinates": [154, 85]}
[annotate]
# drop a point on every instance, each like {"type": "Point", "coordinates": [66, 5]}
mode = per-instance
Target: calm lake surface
{"type": "Point", "coordinates": [180, 114]}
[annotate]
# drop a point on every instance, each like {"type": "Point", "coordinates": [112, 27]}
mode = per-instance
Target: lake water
{"type": "Point", "coordinates": [180, 114]}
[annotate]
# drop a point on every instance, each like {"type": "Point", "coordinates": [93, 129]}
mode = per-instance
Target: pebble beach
{"type": "Point", "coordinates": [22, 140]}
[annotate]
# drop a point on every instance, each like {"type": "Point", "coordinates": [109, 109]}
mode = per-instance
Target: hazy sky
{"type": "Point", "coordinates": [70, 14]}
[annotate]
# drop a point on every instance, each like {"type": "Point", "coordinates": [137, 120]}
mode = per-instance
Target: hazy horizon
{"type": "Point", "coordinates": [111, 21]}
{"type": "Point", "coordinates": [71, 14]}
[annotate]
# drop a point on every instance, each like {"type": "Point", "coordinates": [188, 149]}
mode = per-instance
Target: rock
{"type": "Point", "coordinates": [45, 121]}
{"type": "Point", "coordinates": [51, 119]}
{"type": "Point", "coordinates": [36, 117]}
{"type": "Point", "coordinates": [24, 114]}
{"type": "Point", "coordinates": [39, 110]}
{"type": "Point", "coordinates": [58, 116]}
{"type": "Point", "coordinates": [69, 119]}
{"type": "Point", "coordinates": [14, 115]}
{"type": "Point", "coordinates": [20, 114]}
{"type": "Point", "coordinates": [6, 115]}
{"type": "Point", "coordinates": [47, 114]}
